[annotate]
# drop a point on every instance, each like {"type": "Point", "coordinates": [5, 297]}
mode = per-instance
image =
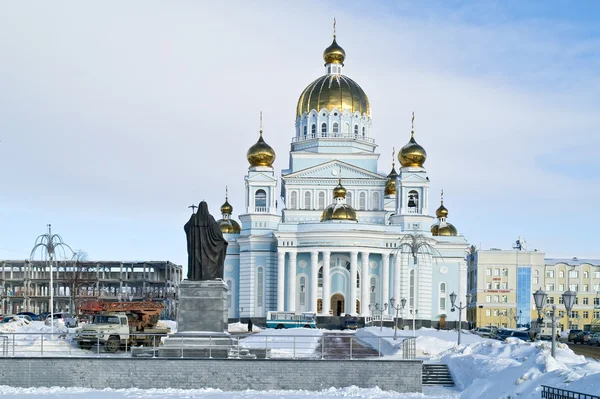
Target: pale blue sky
{"type": "Point", "coordinates": [115, 116]}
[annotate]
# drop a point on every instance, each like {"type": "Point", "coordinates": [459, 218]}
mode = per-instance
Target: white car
{"type": "Point", "coordinates": [483, 332]}
{"type": "Point", "coordinates": [62, 320]}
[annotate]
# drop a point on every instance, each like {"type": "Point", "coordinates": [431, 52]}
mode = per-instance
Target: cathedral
{"type": "Point", "coordinates": [346, 236]}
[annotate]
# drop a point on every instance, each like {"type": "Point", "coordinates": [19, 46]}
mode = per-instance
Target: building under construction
{"type": "Point", "coordinates": [25, 285]}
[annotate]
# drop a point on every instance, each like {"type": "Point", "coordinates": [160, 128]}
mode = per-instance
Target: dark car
{"type": "Point", "coordinates": [44, 315]}
{"type": "Point", "coordinates": [502, 334]}
{"type": "Point", "coordinates": [582, 337]}
{"type": "Point", "coordinates": [33, 316]}
{"type": "Point", "coordinates": [572, 334]}
{"type": "Point", "coordinates": [522, 335]}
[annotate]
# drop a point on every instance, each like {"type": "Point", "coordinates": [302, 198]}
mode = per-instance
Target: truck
{"type": "Point", "coordinates": [113, 324]}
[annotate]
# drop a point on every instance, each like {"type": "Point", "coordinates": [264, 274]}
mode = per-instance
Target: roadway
{"type": "Point", "coordinates": [586, 350]}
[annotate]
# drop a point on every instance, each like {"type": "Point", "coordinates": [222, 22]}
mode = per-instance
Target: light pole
{"type": "Point", "coordinates": [398, 307]}
{"type": "Point", "coordinates": [569, 301]}
{"type": "Point", "coordinates": [460, 308]}
{"type": "Point", "coordinates": [414, 313]}
{"type": "Point", "coordinates": [539, 298]}
{"type": "Point", "coordinates": [375, 307]}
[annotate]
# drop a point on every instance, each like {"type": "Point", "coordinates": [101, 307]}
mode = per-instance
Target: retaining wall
{"type": "Point", "coordinates": [225, 374]}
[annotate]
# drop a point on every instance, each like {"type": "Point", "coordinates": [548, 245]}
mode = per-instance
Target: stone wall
{"type": "Point", "coordinates": [225, 374]}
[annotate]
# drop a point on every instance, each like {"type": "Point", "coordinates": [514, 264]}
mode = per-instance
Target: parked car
{"type": "Point", "coordinates": [24, 317]}
{"type": "Point", "coordinates": [62, 319]}
{"type": "Point", "coordinates": [9, 318]}
{"type": "Point", "coordinates": [32, 315]}
{"type": "Point", "coordinates": [522, 335]}
{"type": "Point", "coordinates": [483, 331]}
{"type": "Point", "coordinates": [502, 334]}
{"type": "Point", "coordinates": [572, 334]}
{"type": "Point", "coordinates": [582, 337]}
{"type": "Point", "coordinates": [594, 339]}
{"type": "Point", "coordinates": [43, 315]}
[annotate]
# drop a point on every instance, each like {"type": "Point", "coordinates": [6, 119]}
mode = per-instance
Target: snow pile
{"type": "Point", "coordinates": [511, 368]}
{"type": "Point", "coordinates": [242, 327]}
{"type": "Point", "coordinates": [167, 324]}
{"type": "Point", "coordinates": [295, 342]}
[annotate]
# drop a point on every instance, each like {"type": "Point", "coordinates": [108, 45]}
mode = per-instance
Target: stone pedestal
{"type": "Point", "coordinates": [201, 322]}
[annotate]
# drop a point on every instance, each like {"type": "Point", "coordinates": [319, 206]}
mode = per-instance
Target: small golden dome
{"type": "Point", "coordinates": [339, 191]}
{"type": "Point", "coordinates": [434, 228]}
{"type": "Point", "coordinates": [339, 212]}
{"type": "Point", "coordinates": [333, 91]}
{"type": "Point", "coordinates": [226, 208]}
{"type": "Point", "coordinates": [441, 212]}
{"type": "Point", "coordinates": [229, 226]}
{"type": "Point", "coordinates": [261, 154]}
{"type": "Point", "coordinates": [334, 54]}
{"type": "Point", "coordinates": [390, 185]}
{"type": "Point", "coordinates": [412, 154]}
{"type": "Point", "coordinates": [447, 230]}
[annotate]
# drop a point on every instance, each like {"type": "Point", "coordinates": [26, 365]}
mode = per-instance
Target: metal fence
{"type": "Point", "coordinates": [557, 393]}
{"type": "Point", "coordinates": [328, 346]}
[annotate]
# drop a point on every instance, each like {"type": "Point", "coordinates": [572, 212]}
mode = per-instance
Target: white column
{"type": "Point", "coordinates": [397, 262]}
{"type": "Point", "coordinates": [280, 280]}
{"type": "Point", "coordinates": [292, 283]}
{"type": "Point", "coordinates": [326, 297]}
{"type": "Point", "coordinates": [314, 280]}
{"type": "Point", "coordinates": [365, 287]}
{"type": "Point", "coordinates": [385, 279]}
{"type": "Point", "coordinates": [351, 307]}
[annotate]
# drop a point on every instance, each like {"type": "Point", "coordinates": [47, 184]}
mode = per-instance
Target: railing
{"type": "Point", "coordinates": [261, 209]}
{"type": "Point", "coordinates": [557, 393]}
{"type": "Point", "coordinates": [333, 135]}
{"type": "Point", "coordinates": [241, 346]}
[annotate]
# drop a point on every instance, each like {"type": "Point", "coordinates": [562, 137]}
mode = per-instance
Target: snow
{"type": "Point", "coordinates": [331, 393]}
{"type": "Point", "coordinates": [241, 327]}
{"type": "Point", "coordinates": [288, 343]}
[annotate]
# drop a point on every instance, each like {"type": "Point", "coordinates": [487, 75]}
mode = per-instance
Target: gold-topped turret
{"type": "Point", "coordinates": [226, 208]}
{"type": "Point", "coordinates": [339, 210]}
{"type": "Point", "coordinates": [339, 191]}
{"type": "Point", "coordinates": [261, 154]}
{"type": "Point", "coordinates": [442, 227]}
{"type": "Point", "coordinates": [390, 185]}
{"type": "Point", "coordinates": [334, 54]}
{"type": "Point", "coordinates": [442, 212]}
{"type": "Point", "coordinates": [227, 224]}
{"type": "Point", "coordinates": [412, 154]}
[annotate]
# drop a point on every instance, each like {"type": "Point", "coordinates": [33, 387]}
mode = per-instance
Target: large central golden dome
{"type": "Point", "coordinates": [333, 91]}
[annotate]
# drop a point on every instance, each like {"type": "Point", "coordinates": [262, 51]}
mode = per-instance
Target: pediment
{"type": "Point", "coordinates": [334, 169]}
{"type": "Point", "coordinates": [413, 178]}
{"type": "Point", "coordinates": [260, 177]}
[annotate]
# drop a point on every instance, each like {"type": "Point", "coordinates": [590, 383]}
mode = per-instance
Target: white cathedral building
{"type": "Point", "coordinates": [337, 245]}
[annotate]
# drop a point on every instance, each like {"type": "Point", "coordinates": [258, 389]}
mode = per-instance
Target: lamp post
{"type": "Point", "coordinates": [569, 300]}
{"type": "Point", "coordinates": [398, 307]}
{"type": "Point", "coordinates": [460, 308]}
{"type": "Point", "coordinates": [375, 307]}
{"type": "Point", "coordinates": [414, 313]}
{"type": "Point", "coordinates": [539, 298]}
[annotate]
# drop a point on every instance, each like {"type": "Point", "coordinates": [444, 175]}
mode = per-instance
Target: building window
{"type": "Point", "coordinates": [412, 288]}
{"type": "Point", "coordinates": [346, 128]}
{"type": "Point", "coordinates": [573, 274]}
{"type": "Point", "coordinates": [363, 131]}
{"type": "Point", "coordinates": [536, 280]}
{"type": "Point", "coordinates": [373, 284]}
{"type": "Point", "coordinates": [586, 275]}
{"type": "Point", "coordinates": [488, 312]}
{"type": "Point", "coordinates": [302, 291]}
{"type": "Point", "coordinates": [307, 200]}
{"type": "Point", "coordinates": [324, 129]}
{"type": "Point", "coordinates": [585, 314]}
{"type": "Point", "coordinates": [496, 299]}
{"type": "Point", "coordinates": [362, 201]}
{"type": "Point", "coordinates": [313, 129]}
{"type": "Point", "coordinates": [560, 300]}
{"type": "Point", "coordinates": [305, 130]}
{"type": "Point", "coordinates": [488, 272]}
{"type": "Point", "coordinates": [293, 200]}
{"type": "Point", "coordinates": [596, 274]}
{"type": "Point", "coordinates": [496, 286]}
{"type": "Point", "coordinates": [549, 300]}
{"type": "Point", "coordinates": [356, 130]}
{"type": "Point", "coordinates": [321, 200]}
{"type": "Point", "coordinates": [336, 127]}
{"type": "Point", "coordinates": [442, 304]}
{"type": "Point", "coordinates": [586, 288]}
{"type": "Point", "coordinates": [488, 298]}
{"type": "Point", "coordinates": [260, 199]}
{"type": "Point", "coordinates": [596, 315]}
{"type": "Point", "coordinates": [561, 274]}
{"type": "Point", "coordinates": [443, 288]}
{"type": "Point", "coordinates": [574, 287]}
{"type": "Point", "coordinates": [496, 272]}
{"type": "Point", "coordinates": [550, 273]}
{"type": "Point", "coordinates": [561, 287]}
{"type": "Point", "coordinates": [349, 198]}
{"type": "Point", "coordinates": [495, 312]}
{"type": "Point", "coordinates": [536, 272]}
{"type": "Point", "coordinates": [260, 286]}
{"type": "Point", "coordinates": [488, 285]}
{"type": "Point", "coordinates": [375, 201]}
{"type": "Point", "coordinates": [549, 287]}
{"type": "Point", "coordinates": [585, 301]}
{"type": "Point", "coordinates": [505, 272]}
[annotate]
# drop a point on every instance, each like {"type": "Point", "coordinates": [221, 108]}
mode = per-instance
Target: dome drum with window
{"type": "Point", "coordinates": [226, 224]}
{"type": "Point", "coordinates": [339, 210]}
{"type": "Point", "coordinates": [442, 227]}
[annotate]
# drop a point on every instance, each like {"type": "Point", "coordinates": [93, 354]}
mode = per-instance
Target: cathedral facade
{"type": "Point", "coordinates": [347, 236]}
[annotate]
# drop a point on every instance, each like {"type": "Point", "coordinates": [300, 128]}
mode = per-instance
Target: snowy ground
{"type": "Point", "coordinates": [482, 368]}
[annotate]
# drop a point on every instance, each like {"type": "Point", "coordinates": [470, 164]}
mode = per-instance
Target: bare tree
{"type": "Point", "coordinates": [79, 275]}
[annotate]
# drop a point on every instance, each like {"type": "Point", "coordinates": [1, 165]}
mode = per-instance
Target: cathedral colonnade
{"type": "Point", "coordinates": [326, 286]}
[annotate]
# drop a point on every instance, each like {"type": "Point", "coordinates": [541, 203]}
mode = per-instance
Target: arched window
{"type": "Point", "coordinates": [302, 291]}
{"type": "Point", "coordinates": [412, 289]}
{"type": "Point", "coordinates": [346, 128]}
{"type": "Point", "coordinates": [356, 130]}
{"type": "Point", "coordinates": [373, 289]}
{"type": "Point", "coordinates": [260, 286]}
{"type": "Point", "coordinates": [313, 129]}
{"type": "Point", "coordinates": [320, 281]}
{"type": "Point", "coordinates": [294, 200]}
{"type": "Point", "coordinates": [349, 198]}
{"type": "Point", "coordinates": [443, 288]}
{"type": "Point", "coordinates": [305, 130]}
{"type": "Point", "coordinates": [375, 201]}
{"type": "Point", "coordinates": [323, 129]}
{"type": "Point", "coordinates": [413, 202]}
{"type": "Point", "coordinates": [442, 296]}
{"type": "Point", "coordinates": [363, 130]}
{"type": "Point", "coordinates": [362, 201]}
{"type": "Point", "coordinates": [260, 199]}
{"type": "Point", "coordinates": [336, 127]}
{"type": "Point", "coordinates": [307, 200]}
{"type": "Point", "coordinates": [321, 200]}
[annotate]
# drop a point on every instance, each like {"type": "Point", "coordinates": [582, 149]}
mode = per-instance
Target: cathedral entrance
{"type": "Point", "coordinates": [337, 304]}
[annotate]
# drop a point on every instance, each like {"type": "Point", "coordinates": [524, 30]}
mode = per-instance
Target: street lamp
{"type": "Point", "coordinates": [569, 300]}
{"type": "Point", "coordinates": [460, 308]}
{"type": "Point", "coordinates": [398, 307]}
{"type": "Point", "coordinates": [375, 307]}
{"type": "Point", "coordinates": [414, 313]}
{"type": "Point", "coordinates": [539, 298]}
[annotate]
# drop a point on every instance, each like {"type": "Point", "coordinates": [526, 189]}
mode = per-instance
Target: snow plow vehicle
{"type": "Point", "coordinates": [114, 324]}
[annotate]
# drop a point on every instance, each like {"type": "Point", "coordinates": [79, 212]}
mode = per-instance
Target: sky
{"type": "Point", "coordinates": [116, 116]}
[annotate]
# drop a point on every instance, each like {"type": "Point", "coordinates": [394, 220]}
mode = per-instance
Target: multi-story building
{"type": "Point", "coordinates": [25, 285]}
{"type": "Point", "coordinates": [502, 283]}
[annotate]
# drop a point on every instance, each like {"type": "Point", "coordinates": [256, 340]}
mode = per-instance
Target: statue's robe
{"type": "Point", "coordinates": [206, 246]}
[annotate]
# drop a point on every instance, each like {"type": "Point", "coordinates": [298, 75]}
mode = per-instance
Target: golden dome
{"type": "Point", "coordinates": [434, 228]}
{"type": "Point", "coordinates": [333, 91]}
{"type": "Point", "coordinates": [441, 212]}
{"type": "Point", "coordinates": [412, 154]}
{"type": "Point", "coordinates": [261, 154]}
{"type": "Point", "coordinates": [447, 230]}
{"type": "Point", "coordinates": [390, 185]}
{"type": "Point", "coordinates": [339, 191]}
{"type": "Point", "coordinates": [229, 226]}
{"type": "Point", "coordinates": [226, 208]}
{"type": "Point", "coordinates": [334, 54]}
{"type": "Point", "coordinates": [339, 212]}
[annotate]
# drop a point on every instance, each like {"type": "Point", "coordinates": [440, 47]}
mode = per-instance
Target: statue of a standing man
{"type": "Point", "coordinates": [205, 245]}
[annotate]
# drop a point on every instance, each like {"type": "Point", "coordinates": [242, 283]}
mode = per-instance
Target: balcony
{"type": "Point", "coordinates": [333, 135]}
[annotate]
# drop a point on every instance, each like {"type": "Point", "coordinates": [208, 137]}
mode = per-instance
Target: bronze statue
{"type": "Point", "coordinates": [205, 245]}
